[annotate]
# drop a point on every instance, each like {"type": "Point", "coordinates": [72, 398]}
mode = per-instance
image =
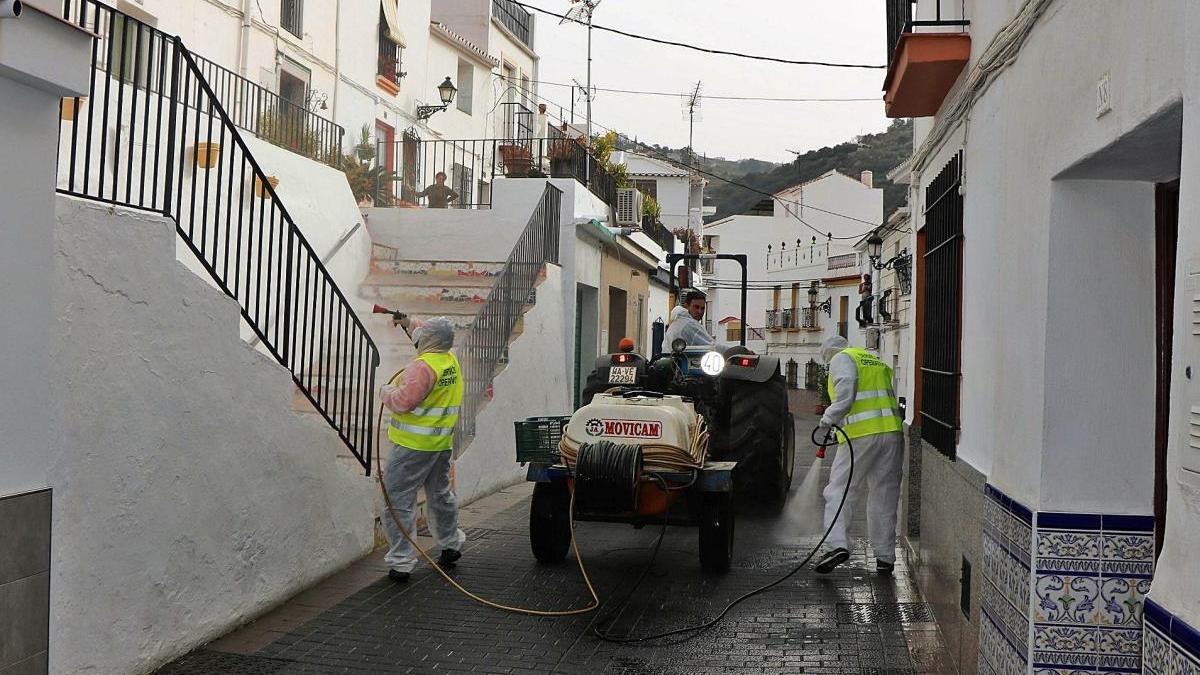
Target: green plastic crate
{"type": "Point", "coordinates": [538, 437]}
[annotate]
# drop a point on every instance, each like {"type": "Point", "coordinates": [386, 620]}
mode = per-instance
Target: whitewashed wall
{"type": "Point", "coordinates": [189, 498]}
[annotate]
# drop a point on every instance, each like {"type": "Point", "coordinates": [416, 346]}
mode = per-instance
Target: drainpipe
{"type": "Point", "coordinates": [337, 58]}
{"type": "Point", "coordinates": [244, 41]}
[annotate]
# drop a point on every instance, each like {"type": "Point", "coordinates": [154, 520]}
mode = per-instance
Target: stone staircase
{"type": "Point", "coordinates": [422, 289]}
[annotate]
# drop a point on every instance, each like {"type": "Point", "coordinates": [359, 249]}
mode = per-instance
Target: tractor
{"type": "Point", "coordinates": [741, 395]}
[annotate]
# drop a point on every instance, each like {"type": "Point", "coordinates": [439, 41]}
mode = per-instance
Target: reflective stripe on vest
{"type": "Point", "coordinates": [430, 425]}
{"type": "Point", "coordinates": [875, 410]}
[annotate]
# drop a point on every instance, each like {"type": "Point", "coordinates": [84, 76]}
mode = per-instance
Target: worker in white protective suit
{"type": "Point", "coordinates": [864, 406]}
{"type": "Point", "coordinates": [425, 403]}
{"type": "Point", "coordinates": [685, 322]}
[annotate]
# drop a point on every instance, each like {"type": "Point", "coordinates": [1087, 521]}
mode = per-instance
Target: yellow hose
{"type": "Point", "coordinates": [391, 509]}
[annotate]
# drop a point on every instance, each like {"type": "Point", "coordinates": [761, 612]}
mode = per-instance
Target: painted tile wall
{"type": "Point", "coordinates": [1007, 570]}
{"type": "Point", "coordinates": [1170, 645]}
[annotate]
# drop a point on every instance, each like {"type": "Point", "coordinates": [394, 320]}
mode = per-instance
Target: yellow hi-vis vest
{"type": "Point", "coordinates": [875, 410]}
{"type": "Point", "coordinates": [430, 426]}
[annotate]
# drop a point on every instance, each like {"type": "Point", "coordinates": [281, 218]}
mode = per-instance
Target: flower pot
{"type": "Point", "coordinates": [260, 189]}
{"type": "Point", "coordinates": [70, 108]}
{"type": "Point", "coordinates": [517, 161]}
{"type": "Point", "coordinates": [207, 154]}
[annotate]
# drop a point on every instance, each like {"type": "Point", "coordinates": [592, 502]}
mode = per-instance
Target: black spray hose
{"type": "Point", "coordinates": [700, 628]}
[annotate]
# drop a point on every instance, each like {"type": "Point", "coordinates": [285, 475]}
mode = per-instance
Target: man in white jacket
{"type": "Point", "coordinates": [865, 408]}
{"type": "Point", "coordinates": [685, 322]}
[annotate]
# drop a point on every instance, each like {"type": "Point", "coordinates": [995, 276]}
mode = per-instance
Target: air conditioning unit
{"type": "Point", "coordinates": [629, 207]}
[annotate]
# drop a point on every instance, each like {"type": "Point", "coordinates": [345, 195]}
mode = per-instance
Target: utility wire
{"type": "Point", "coordinates": [706, 50]}
{"type": "Point", "coordinates": [676, 94]}
{"type": "Point", "coordinates": [653, 153]}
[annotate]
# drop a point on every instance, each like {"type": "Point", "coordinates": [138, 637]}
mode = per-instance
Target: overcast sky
{"type": "Point", "coordinates": [824, 30]}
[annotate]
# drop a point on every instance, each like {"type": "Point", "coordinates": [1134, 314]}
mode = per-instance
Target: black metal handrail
{"type": "Point", "coordinates": [471, 166]}
{"type": "Point", "coordinates": [517, 121]}
{"type": "Point", "coordinates": [273, 118]}
{"type": "Point", "coordinates": [515, 18]}
{"type": "Point", "coordinates": [152, 134]}
{"type": "Point", "coordinates": [660, 235]}
{"type": "Point", "coordinates": [900, 20]}
{"type": "Point", "coordinates": [485, 345]}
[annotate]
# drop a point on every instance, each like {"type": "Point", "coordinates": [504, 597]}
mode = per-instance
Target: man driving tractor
{"type": "Point", "coordinates": [685, 321]}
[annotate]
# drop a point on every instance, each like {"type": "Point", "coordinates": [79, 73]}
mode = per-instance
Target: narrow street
{"type": "Point", "coordinates": [853, 621]}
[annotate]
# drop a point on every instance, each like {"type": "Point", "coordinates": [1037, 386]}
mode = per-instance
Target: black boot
{"type": "Point", "coordinates": [448, 557]}
{"type": "Point", "coordinates": [831, 560]}
{"type": "Point", "coordinates": [398, 576]}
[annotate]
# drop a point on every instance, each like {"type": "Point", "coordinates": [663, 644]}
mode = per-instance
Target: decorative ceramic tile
{"type": "Point", "coordinates": [996, 653]}
{"type": "Point", "coordinates": [1048, 637]}
{"type": "Point", "coordinates": [1068, 544]}
{"type": "Point", "coordinates": [1066, 599]}
{"type": "Point", "coordinates": [1119, 641]}
{"type": "Point", "coordinates": [1121, 601]}
{"type": "Point", "coordinates": [1127, 554]}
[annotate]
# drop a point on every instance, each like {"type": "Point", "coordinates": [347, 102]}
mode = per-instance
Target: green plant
{"type": "Point", "coordinates": [368, 180]}
{"type": "Point", "coordinates": [650, 207]}
{"type": "Point", "coordinates": [690, 239]}
{"type": "Point", "coordinates": [603, 146]}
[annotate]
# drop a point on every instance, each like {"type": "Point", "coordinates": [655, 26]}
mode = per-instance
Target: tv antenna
{"type": "Point", "coordinates": [691, 108]}
{"type": "Point", "coordinates": [581, 12]}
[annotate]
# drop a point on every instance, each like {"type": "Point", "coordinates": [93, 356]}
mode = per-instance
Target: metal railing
{"type": "Point", "coordinates": [485, 345]}
{"type": "Point", "coordinates": [153, 134]}
{"type": "Point", "coordinates": [273, 118]}
{"type": "Point", "coordinates": [660, 235]}
{"type": "Point", "coordinates": [515, 18]}
{"type": "Point", "coordinates": [837, 262]}
{"type": "Point", "coordinates": [781, 319]}
{"type": "Point", "coordinates": [471, 166]}
{"type": "Point", "coordinates": [808, 318]}
{"type": "Point", "coordinates": [901, 19]}
{"type": "Point", "coordinates": [517, 121]}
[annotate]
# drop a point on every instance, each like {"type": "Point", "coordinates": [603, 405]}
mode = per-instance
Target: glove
{"type": "Point", "coordinates": [824, 431]}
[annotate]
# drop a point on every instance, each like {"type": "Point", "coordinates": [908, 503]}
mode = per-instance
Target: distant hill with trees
{"type": "Point", "coordinates": [878, 153]}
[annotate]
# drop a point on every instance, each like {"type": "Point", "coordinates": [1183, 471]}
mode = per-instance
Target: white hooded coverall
{"type": "Point", "coordinates": [684, 326]}
{"type": "Point", "coordinates": [878, 462]}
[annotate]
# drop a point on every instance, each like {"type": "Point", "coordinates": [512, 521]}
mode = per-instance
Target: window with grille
{"type": "Point", "coordinates": [390, 53]}
{"type": "Point", "coordinates": [291, 16]}
{"type": "Point", "coordinates": [942, 319]}
{"type": "Point", "coordinates": [647, 187]}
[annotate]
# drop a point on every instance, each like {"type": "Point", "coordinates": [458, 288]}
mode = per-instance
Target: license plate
{"type": "Point", "coordinates": [622, 375]}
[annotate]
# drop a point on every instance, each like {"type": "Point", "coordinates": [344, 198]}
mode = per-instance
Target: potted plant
{"type": "Point", "coordinates": [207, 154]}
{"type": "Point", "coordinates": [70, 108]}
{"type": "Point", "coordinates": [261, 190]}
{"type": "Point", "coordinates": [823, 391]}
{"type": "Point", "coordinates": [562, 155]}
{"type": "Point", "coordinates": [517, 160]}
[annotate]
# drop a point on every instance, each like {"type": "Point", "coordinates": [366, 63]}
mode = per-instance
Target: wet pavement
{"type": "Point", "coordinates": [851, 621]}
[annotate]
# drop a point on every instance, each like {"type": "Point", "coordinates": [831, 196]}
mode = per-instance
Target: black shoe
{"type": "Point", "coordinates": [884, 567]}
{"type": "Point", "coordinates": [831, 560]}
{"type": "Point", "coordinates": [398, 576]}
{"type": "Point", "coordinates": [448, 557]}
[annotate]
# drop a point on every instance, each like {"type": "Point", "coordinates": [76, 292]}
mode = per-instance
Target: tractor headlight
{"type": "Point", "coordinates": [712, 363]}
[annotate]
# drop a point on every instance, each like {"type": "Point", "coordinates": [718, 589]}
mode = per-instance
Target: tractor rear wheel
{"type": "Point", "coordinates": [716, 532]}
{"type": "Point", "coordinates": [760, 439]}
{"type": "Point", "coordinates": [550, 522]}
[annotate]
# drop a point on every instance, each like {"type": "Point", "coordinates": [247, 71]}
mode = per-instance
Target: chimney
{"type": "Point", "coordinates": [868, 179]}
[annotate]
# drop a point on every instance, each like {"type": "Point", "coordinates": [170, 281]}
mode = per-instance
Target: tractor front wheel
{"type": "Point", "coordinates": [550, 522]}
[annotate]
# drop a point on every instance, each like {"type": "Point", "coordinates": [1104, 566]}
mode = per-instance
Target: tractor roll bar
{"type": "Point", "coordinates": [739, 258]}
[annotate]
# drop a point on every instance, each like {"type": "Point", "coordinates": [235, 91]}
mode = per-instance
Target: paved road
{"type": "Point", "coordinates": [852, 621]}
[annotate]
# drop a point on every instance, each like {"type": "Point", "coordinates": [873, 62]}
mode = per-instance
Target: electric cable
{"type": "Point", "coordinates": [643, 148]}
{"type": "Point", "coordinates": [698, 629]}
{"type": "Point", "coordinates": [706, 50]}
{"type": "Point", "coordinates": [715, 97]}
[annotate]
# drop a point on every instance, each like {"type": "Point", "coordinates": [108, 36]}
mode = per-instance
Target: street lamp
{"type": "Point", "coordinates": [446, 91]}
{"type": "Point", "coordinates": [875, 252]}
{"type": "Point", "coordinates": [827, 305]}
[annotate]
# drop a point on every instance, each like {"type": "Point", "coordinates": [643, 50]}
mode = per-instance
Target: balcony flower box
{"type": "Point", "coordinates": [70, 109]}
{"type": "Point", "coordinates": [260, 189]}
{"type": "Point", "coordinates": [922, 72]}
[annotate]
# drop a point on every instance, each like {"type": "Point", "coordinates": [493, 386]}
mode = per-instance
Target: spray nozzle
{"type": "Point", "coordinates": [380, 309]}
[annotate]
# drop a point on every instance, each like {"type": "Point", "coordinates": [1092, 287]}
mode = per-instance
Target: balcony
{"type": "Point", "coordinates": [515, 18]}
{"type": "Point", "coordinates": [925, 60]}
{"type": "Point", "coordinates": [781, 320]}
{"type": "Point", "coordinates": [841, 262]}
{"type": "Point", "coordinates": [808, 319]}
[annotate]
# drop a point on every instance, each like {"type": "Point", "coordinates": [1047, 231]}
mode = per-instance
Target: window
{"type": "Point", "coordinates": [466, 85]}
{"type": "Point", "coordinates": [942, 309]}
{"type": "Point", "coordinates": [462, 182]}
{"type": "Point", "coordinates": [647, 187]}
{"type": "Point", "coordinates": [385, 141]}
{"type": "Point", "coordinates": [390, 53]}
{"type": "Point", "coordinates": [291, 16]}
{"type": "Point", "coordinates": [133, 52]}
{"type": "Point", "coordinates": [733, 331]}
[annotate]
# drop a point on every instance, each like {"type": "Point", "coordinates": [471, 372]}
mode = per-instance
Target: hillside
{"type": "Point", "coordinates": [879, 153]}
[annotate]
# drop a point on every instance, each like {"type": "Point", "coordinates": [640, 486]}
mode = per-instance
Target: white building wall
{"type": "Point", "coordinates": [189, 498]}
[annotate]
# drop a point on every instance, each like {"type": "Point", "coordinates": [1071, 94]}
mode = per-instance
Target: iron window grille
{"type": "Point", "coordinates": [390, 55]}
{"type": "Point", "coordinates": [901, 19]}
{"type": "Point", "coordinates": [942, 320]}
{"type": "Point", "coordinates": [515, 18]}
{"type": "Point", "coordinates": [291, 17]}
